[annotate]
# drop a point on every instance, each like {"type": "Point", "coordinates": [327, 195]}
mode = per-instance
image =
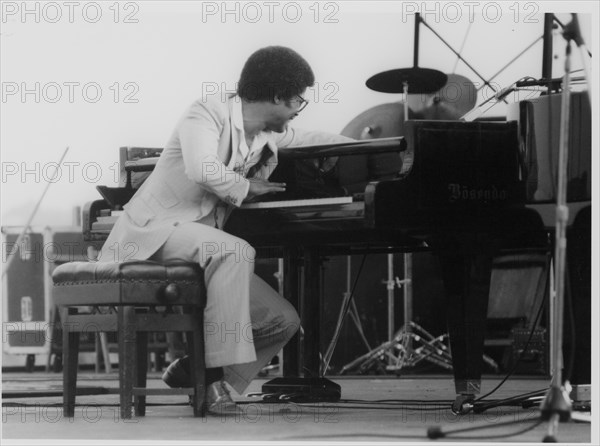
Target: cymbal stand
{"type": "Point", "coordinates": [411, 344]}
{"type": "Point", "coordinates": [348, 306]}
{"type": "Point", "coordinates": [430, 348]}
{"type": "Point", "coordinates": [353, 311]}
{"type": "Point", "coordinates": [390, 285]}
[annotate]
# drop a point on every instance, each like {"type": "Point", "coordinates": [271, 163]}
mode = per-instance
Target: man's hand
{"type": "Point", "coordinates": [261, 187]}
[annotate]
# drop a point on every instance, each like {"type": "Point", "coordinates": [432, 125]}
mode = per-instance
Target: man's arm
{"type": "Point", "coordinates": [199, 135]}
{"type": "Point", "coordinates": [294, 137]}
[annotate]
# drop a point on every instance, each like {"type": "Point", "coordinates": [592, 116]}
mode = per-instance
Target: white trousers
{"type": "Point", "coordinates": [246, 322]}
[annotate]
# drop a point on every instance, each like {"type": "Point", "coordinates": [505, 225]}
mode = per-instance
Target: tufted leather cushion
{"type": "Point", "coordinates": [131, 283]}
{"type": "Point", "coordinates": [134, 270]}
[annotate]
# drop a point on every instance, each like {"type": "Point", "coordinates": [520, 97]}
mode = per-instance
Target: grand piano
{"type": "Point", "coordinates": [461, 192]}
{"type": "Point", "coordinates": [462, 196]}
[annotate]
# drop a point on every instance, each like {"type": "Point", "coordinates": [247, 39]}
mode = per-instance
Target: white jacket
{"type": "Point", "coordinates": [194, 174]}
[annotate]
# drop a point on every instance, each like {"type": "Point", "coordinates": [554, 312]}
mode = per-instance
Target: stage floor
{"type": "Point", "coordinates": [373, 409]}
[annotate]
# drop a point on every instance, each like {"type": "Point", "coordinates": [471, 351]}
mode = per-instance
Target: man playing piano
{"type": "Point", "coordinates": [221, 154]}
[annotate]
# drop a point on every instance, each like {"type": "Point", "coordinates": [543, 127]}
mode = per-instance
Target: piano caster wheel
{"type": "Point", "coordinates": [463, 404]}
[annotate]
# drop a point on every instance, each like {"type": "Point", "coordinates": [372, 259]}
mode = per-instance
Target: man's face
{"type": "Point", "coordinates": [283, 111]}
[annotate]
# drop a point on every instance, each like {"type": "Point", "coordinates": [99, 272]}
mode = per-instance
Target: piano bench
{"type": "Point", "coordinates": [132, 298]}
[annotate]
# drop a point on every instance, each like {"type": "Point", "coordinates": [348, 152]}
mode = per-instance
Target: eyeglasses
{"type": "Point", "coordinates": [303, 103]}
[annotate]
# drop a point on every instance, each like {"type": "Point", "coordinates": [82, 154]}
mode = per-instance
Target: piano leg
{"type": "Point", "coordinates": [306, 385]}
{"type": "Point", "coordinates": [466, 263]}
{"type": "Point", "coordinates": [310, 313]}
{"type": "Point", "coordinates": [291, 291]}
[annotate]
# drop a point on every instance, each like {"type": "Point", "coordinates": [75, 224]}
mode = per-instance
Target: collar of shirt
{"type": "Point", "coordinates": [237, 119]}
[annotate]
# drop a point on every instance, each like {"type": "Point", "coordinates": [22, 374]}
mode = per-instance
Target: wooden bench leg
{"type": "Point", "coordinates": [70, 363]}
{"type": "Point", "coordinates": [141, 372]}
{"type": "Point", "coordinates": [127, 357]}
{"type": "Point", "coordinates": [198, 365]}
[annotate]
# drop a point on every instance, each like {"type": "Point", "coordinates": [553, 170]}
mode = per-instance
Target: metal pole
{"type": "Point", "coordinates": [547, 49]}
{"type": "Point", "coordinates": [408, 299]}
{"type": "Point", "coordinates": [416, 42]}
{"type": "Point", "coordinates": [562, 218]}
{"type": "Point", "coordinates": [556, 406]}
{"type": "Point", "coordinates": [390, 295]}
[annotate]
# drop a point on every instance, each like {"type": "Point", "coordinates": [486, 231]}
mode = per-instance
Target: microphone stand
{"type": "Point", "coordinates": [556, 406]}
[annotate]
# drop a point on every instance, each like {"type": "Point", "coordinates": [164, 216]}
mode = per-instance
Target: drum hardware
{"type": "Point", "coordinates": [421, 80]}
{"type": "Point", "coordinates": [412, 343]}
{"type": "Point", "coordinates": [452, 101]}
{"type": "Point", "coordinates": [382, 121]}
{"type": "Point", "coordinates": [485, 81]}
{"type": "Point", "coordinates": [348, 306]}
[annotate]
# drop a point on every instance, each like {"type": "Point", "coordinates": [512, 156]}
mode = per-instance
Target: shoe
{"type": "Point", "coordinates": [218, 399]}
{"type": "Point", "coordinates": [178, 373]}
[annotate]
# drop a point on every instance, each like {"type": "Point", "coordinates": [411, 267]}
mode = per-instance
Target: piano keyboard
{"type": "Point", "coordinates": [106, 220]}
{"type": "Point", "coordinates": [297, 203]}
{"type": "Point", "coordinates": [329, 207]}
{"type": "Point", "coordinates": [312, 209]}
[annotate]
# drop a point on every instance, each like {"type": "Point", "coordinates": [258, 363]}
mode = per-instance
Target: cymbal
{"type": "Point", "coordinates": [381, 121]}
{"type": "Point", "coordinates": [419, 80]}
{"type": "Point", "coordinates": [453, 100]}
